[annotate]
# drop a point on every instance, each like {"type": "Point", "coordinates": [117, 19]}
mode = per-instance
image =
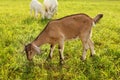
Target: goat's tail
{"type": "Point", "coordinates": [97, 18]}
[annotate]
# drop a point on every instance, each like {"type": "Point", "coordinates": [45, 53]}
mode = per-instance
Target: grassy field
{"type": "Point", "coordinates": [18, 28]}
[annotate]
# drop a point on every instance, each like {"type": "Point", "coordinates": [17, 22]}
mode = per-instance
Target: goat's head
{"type": "Point", "coordinates": [48, 15]}
{"type": "Point", "coordinates": [30, 50]}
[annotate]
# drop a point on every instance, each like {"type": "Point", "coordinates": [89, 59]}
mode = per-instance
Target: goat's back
{"type": "Point", "coordinates": [36, 5]}
{"type": "Point", "coordinates": [50, 2]}
{"type": "Point", "coordinates": [69, 27]}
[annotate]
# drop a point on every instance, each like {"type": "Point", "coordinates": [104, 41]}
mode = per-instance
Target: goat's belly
{"type": "Point", "coordinates": [72, 37]}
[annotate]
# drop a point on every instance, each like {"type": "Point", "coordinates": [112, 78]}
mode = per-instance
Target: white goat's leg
{"type": "Point", "coordinates": [91, 45]}
{"type": "Point", "coordinates": [36, 14]}
{"type": "Point", "coordinates": [30, 11]}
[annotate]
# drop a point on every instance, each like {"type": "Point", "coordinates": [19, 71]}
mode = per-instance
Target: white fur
{"type": "Point", "coordinates": [50, 8]}
{"type": "Point", "coordinates": [37, 7]}
{"type": "Point", "coordinates": [93, 23]}
{"type": "Point", "coordinates": [36, 48]}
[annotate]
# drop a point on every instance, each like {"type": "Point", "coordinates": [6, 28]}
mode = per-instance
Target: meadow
{"type": "Point", "coordinates": [18, 28]}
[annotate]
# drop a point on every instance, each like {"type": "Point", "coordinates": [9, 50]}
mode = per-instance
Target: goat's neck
{"type": "Point", "coordinates": [40, 40]}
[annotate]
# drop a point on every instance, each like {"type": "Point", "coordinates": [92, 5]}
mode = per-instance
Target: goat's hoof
{"type": "Point", "coordinates": [48, 59]}
{"type": "Point", "coordinates": [61, 62]}
{"type": "Point", "coordinates": [92, 55]}
{"type": "Point", "coordinates": [83, 59]}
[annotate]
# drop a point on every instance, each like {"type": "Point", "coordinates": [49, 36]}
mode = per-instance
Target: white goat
{"type": "Point", "coordinates": [50, 8]}
{"type": "Point", "coordinates": [37, 7]}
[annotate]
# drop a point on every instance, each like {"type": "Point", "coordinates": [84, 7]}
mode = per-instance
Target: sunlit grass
{"type": "Point", "coordinates": [18, 28]}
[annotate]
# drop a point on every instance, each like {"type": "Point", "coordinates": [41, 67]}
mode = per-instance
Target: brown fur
{"type": "Point", "coordinates": [69, 27]}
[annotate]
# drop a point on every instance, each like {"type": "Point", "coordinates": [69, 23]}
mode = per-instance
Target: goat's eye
{"type": "Point", "coordinates": [30, 52]}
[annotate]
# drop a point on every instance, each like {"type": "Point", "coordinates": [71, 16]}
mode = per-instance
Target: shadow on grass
{"type": "Point", "coordinates": [54, 71]}
{"type": "Point", "coordinates": [27, 70]}
{"type": "Point", "coordinates": [43, 21]}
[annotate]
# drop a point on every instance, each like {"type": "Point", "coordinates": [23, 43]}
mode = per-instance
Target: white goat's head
{"type": "Point", "coordinates": [48, 15]}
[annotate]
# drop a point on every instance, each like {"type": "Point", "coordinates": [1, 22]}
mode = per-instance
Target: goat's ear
{"type": "Point", "coordinates": [36, 49]}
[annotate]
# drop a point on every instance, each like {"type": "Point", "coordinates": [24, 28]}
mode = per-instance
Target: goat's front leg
{"type": "Point", "coordinates": [36, 14]}
{"type": "Point", "coordinates": [30, 11]}
{"type": "Point", "coordinates": [52, 47]}
{"type": "Point", "coordinates": [61, 49]}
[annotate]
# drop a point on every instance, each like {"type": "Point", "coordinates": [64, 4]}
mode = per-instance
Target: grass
{"type": "Point", "coordinates": [18, 28]}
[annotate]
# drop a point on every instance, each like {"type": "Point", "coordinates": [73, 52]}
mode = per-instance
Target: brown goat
{"type": "Point", "coordinates": [59, 30]}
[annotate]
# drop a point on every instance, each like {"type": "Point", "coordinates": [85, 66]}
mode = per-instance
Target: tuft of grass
{"type": "Point", "coordinates": [18, 28]}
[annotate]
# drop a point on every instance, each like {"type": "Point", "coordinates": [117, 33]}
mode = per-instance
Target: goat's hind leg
{"type": "Point", "coordinates": [84, 38]}
{"type": "Point", "coordinates": [91, 45]}
{"type": "Point", "coordinates": [85, 48]}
